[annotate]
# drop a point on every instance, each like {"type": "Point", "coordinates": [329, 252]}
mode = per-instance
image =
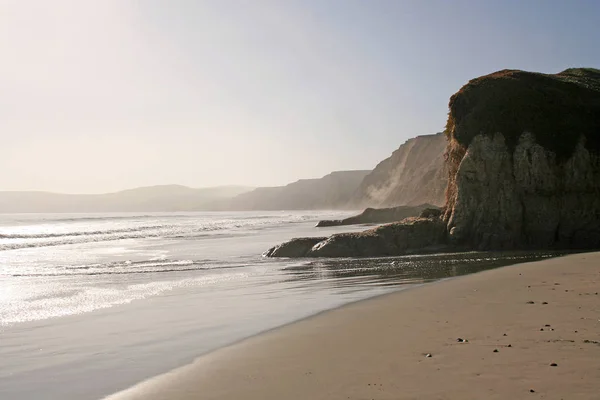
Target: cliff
{"type": "Point", "coordinates": [414, 174]}
{"type": "Point", "coordinates": [523, 161]}
{"type": "Point", "coordinates": [329, 192]}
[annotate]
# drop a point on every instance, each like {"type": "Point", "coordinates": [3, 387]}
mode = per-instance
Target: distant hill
{"type": "Point", "coordinates": [414, 174]}
{"type": "Point", "coordinates": [151, 198]}
{"type": "Point", "coordinates": [329, 192]}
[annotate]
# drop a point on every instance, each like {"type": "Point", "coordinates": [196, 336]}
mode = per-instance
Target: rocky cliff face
{"type": "Point", "coordinates": [414, 174]}
{"type": "Point", "coordinates": [524, 161]}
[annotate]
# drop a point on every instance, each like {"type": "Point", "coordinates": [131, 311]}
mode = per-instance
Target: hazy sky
{"type": "Point", "coordinates": [103, 95]}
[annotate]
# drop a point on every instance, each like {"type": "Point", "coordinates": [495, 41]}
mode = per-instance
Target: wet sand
{"type": "Point", "coordinates": [531, 331]}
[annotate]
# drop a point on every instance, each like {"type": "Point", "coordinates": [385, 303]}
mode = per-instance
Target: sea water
{"type": "Point", "coordinates": [93, 303]}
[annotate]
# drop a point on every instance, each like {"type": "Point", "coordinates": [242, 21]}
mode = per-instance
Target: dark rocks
{"type": "Point", "coordinates": [381, 215]}
{"type": "Point", "coordinates": [554, 365]}
{"type": "Point", "coordinates": [298, 247]}
{"type": "Point", "coordinates": [408, 236]}
{"type": "Point", "coordinates": [431, 213]}
{"type": "Point", "coordinates": [330, 222]}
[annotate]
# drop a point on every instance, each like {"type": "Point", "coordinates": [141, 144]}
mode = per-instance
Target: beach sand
{"type": "Point", "coordinates": [519, 321]}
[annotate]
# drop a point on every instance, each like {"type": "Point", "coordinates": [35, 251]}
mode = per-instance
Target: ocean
{"type": "Point", "coordinates": [91, 304]}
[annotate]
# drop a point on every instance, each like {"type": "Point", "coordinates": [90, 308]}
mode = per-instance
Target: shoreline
{"type": "Point", "coordinates": [376, 348]}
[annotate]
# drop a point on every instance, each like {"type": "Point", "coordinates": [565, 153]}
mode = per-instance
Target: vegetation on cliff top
{"type": "Point", "coordinates": [556, 108]}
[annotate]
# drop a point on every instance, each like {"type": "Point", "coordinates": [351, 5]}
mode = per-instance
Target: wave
{"type": "Point", "coordinates": [43, 233]}
{"type": "Point", "coordinates": [86, 217]}
{"type": "Point", "coordinates": [129, 267]}
{"type": "Point", "coordinates": [76, 233]}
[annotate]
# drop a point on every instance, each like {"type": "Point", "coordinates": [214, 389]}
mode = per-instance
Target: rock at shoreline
{"type": "Point", "coordinates": [298, 247]}
{"type": "Point", "coordinates": [379, 215]}
{"type": "Point", "coordinates": [408, 236]}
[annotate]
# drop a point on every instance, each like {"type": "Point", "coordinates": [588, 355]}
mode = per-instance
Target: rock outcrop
{"type": "Point", "coordinates": [298, 247]}
{"type": "Point", "coordinates": [414, 174]}
{"type": "Point", "coordinates": [524, 161]}
{"type": "Point", "coordinates": [412, 235]}
{"type": "Point", "coordinates": [379, 215]}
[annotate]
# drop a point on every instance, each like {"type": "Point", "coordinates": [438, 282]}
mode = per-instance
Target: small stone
{"type": "Point", "coordinates": [541, 329]}
{"type": "Point", "coordinates": [548, 325]}
{"type": "Point", "coordinates": [495, 350]}
{"type": "Point", "coordinates": [545, 302]}
{"type": "Point", "coordinates": [554, 365]}
{"type": "Point", "coordinates": [531, 391]}
{"type": "Point", "coordinates": [505, 334]}
{"type": "Point", "coordinates": [428, 355]}
{"type": "Point", "coordinates": [531, 302]}
{"type": "Point", "coordinates": [510, 345]}
{"type": "Point", "coordinates": [461, 340]}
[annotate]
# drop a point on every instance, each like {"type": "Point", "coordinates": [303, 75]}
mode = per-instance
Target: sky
{"type": "Point", "coordinates": [104, 95]}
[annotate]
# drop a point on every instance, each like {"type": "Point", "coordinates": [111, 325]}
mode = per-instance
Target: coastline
{"type": "Point", "coordinates": [377, 348]}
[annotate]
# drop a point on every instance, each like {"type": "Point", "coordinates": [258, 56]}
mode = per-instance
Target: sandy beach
{"type": "Point", "coordinates": [530, 331]}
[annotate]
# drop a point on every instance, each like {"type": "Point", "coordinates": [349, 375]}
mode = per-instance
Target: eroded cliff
{"type": "Point", "coordinates": [523, 160]}
{"type": "Point", "coordinates": [414, 174]}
